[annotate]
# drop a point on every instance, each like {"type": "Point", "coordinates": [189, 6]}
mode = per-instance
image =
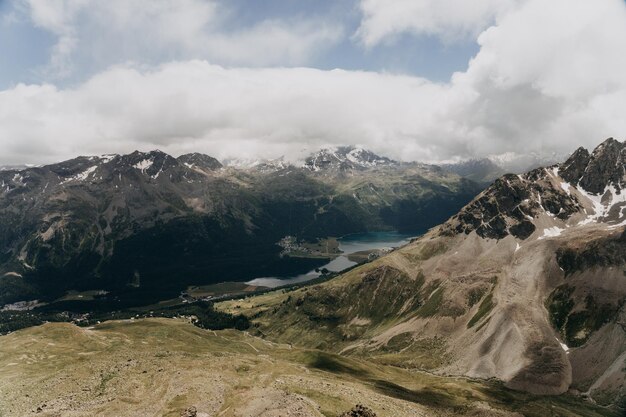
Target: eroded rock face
{"type": "Point", "coordinates": [548, 371]}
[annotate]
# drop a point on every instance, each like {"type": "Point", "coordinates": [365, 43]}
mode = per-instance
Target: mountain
{"type": "Point", "coordinates": [345, 158]}
{"type": "Point", "coordinates": [263, 165]}
{"type": "Point", "coordinates": [518, 163]}
{"type": "Point", "coordinates": [143, 226]}
{"type": "Point", "coordinates": [483, 171]}
{"type": "Point", "coordinates": [486, 170]}
{"type": "Point", "coordinates": [198, 161]}
{"type": "Point", "coordinates": [13, 167]}
{"type": "Point", "coordinates": [525, 284]}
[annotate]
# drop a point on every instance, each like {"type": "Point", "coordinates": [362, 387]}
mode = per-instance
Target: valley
{"type": "Point", "coordinates": [281, 208]}
{"type": "Point", "coordinates": [514, 306]}
{"type": "Point", "coordinates": [142, 228]}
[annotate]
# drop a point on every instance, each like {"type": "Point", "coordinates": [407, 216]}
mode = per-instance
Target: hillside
{"type": "Point", "coordinates": [164, 367]}
{"type": "Point", "coordinates": [526, 284]}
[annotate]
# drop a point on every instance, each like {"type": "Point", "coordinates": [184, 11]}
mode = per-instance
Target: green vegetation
{"type": "Point", "coordinates": [559, 305]}
{"type": "Point", "coordinates": [11, 321]}
{"type": "Point", "coordinates": [431, 306]}
{"type": "Point", "coordinates": [202, 313]}
{"type": "Point", "coordinates": [454, 395]}
{"type": "Point", "coordinates": [404, 351]}
{"type": "Point", "coordinates": [576, 327]}
{"type": "Point", "coordinates": [148, 359]}
{"type": "Point", "coordinates": [581, 324]}
{"type": "Point", "coordinates": [484, 308]}
{"type": "Point", "coordinates": [475, 295]}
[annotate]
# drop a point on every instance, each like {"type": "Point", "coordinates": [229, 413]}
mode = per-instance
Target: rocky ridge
{"type": "Point", "coordinates": [345, 158]}
{"type": "Point", "coordinates": [513, 202]}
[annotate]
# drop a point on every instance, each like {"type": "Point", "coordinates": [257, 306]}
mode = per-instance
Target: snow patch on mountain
{"type": "Point", "coordinates": [144, 164]}
{"type": "Point", "coordinates": [81, 176]}
{"type": "Point", "coordinates": [603, 203]}
{"type": "Point", "coordinates": [551, 232]}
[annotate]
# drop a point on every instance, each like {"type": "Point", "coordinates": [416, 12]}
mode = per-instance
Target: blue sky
{"type": "Point", "coordinates": [25, 48]}
{"type": "Point", "coordinates": [427, 80]}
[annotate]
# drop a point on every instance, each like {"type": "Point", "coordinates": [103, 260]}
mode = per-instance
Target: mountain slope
{"type": "Point", "coordinates": [525, 284]}
{"type": "Point", "coordinates": [163, 367]}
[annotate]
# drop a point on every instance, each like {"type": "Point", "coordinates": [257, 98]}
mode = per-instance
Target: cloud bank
{"type": "Point", "coordinates": [549, 77]}
{"type": "Point", "coordinates": [118, 31]}
{"type": "Point", "coordinates": [448, 19]}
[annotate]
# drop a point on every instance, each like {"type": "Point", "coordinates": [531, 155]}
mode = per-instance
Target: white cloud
{"type": "Point", "coordinates": [548, 78]}
{"type": "Point", "coordinates": [102, 33]}
{"type": "Point", "coordinates": [447, 19]}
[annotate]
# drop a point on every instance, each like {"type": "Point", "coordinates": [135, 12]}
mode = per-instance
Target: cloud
{"type": "Point", "coordinates": [102, 33]}
{"type": "Point", "coordinates": [449, 20]}
{"type": "Point", "coordinates": [548, 78]}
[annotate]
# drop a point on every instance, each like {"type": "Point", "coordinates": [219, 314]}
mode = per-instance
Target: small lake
{"type": "Point", "coordinates": [348, 245]}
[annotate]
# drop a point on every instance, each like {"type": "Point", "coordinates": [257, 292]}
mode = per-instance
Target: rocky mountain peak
{"type": "Point", "coordinates": [586, 185]}
{"type": "Point", "coordinates": [151, 163]}
{"type": "Point", "coordinates": [345, 158]}
{"type": "Point", "coordinates": [606, 166]}
{"type": "Point", "coordinates": [201, 161]}
{"type": "Point", "coordinates": [574, 168]}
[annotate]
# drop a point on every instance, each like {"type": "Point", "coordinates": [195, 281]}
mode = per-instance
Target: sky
{"type": "Point", "coordinates": [427, 80]}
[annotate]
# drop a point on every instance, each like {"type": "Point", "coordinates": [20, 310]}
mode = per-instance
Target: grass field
{"type": "Point", "coordinates": [158, 367]}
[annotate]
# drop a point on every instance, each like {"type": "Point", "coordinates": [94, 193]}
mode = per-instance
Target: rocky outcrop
{"type": "Point", "coordinates": [189, 412]}
{"type": "Point", "coordinates": [359, 411]}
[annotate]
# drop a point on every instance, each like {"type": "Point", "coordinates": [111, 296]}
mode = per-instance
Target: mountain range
{"type": "Point", "coordinates": [148, 224]}
{"type": "Point", "coordinates": [514, 306]}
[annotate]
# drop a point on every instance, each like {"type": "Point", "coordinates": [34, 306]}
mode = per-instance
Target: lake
{"type": "Point", "coordinates": [348, 245]}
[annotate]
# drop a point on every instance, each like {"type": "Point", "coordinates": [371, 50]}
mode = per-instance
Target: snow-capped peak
{"type": "Point", "coordinates": [344, 158]}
